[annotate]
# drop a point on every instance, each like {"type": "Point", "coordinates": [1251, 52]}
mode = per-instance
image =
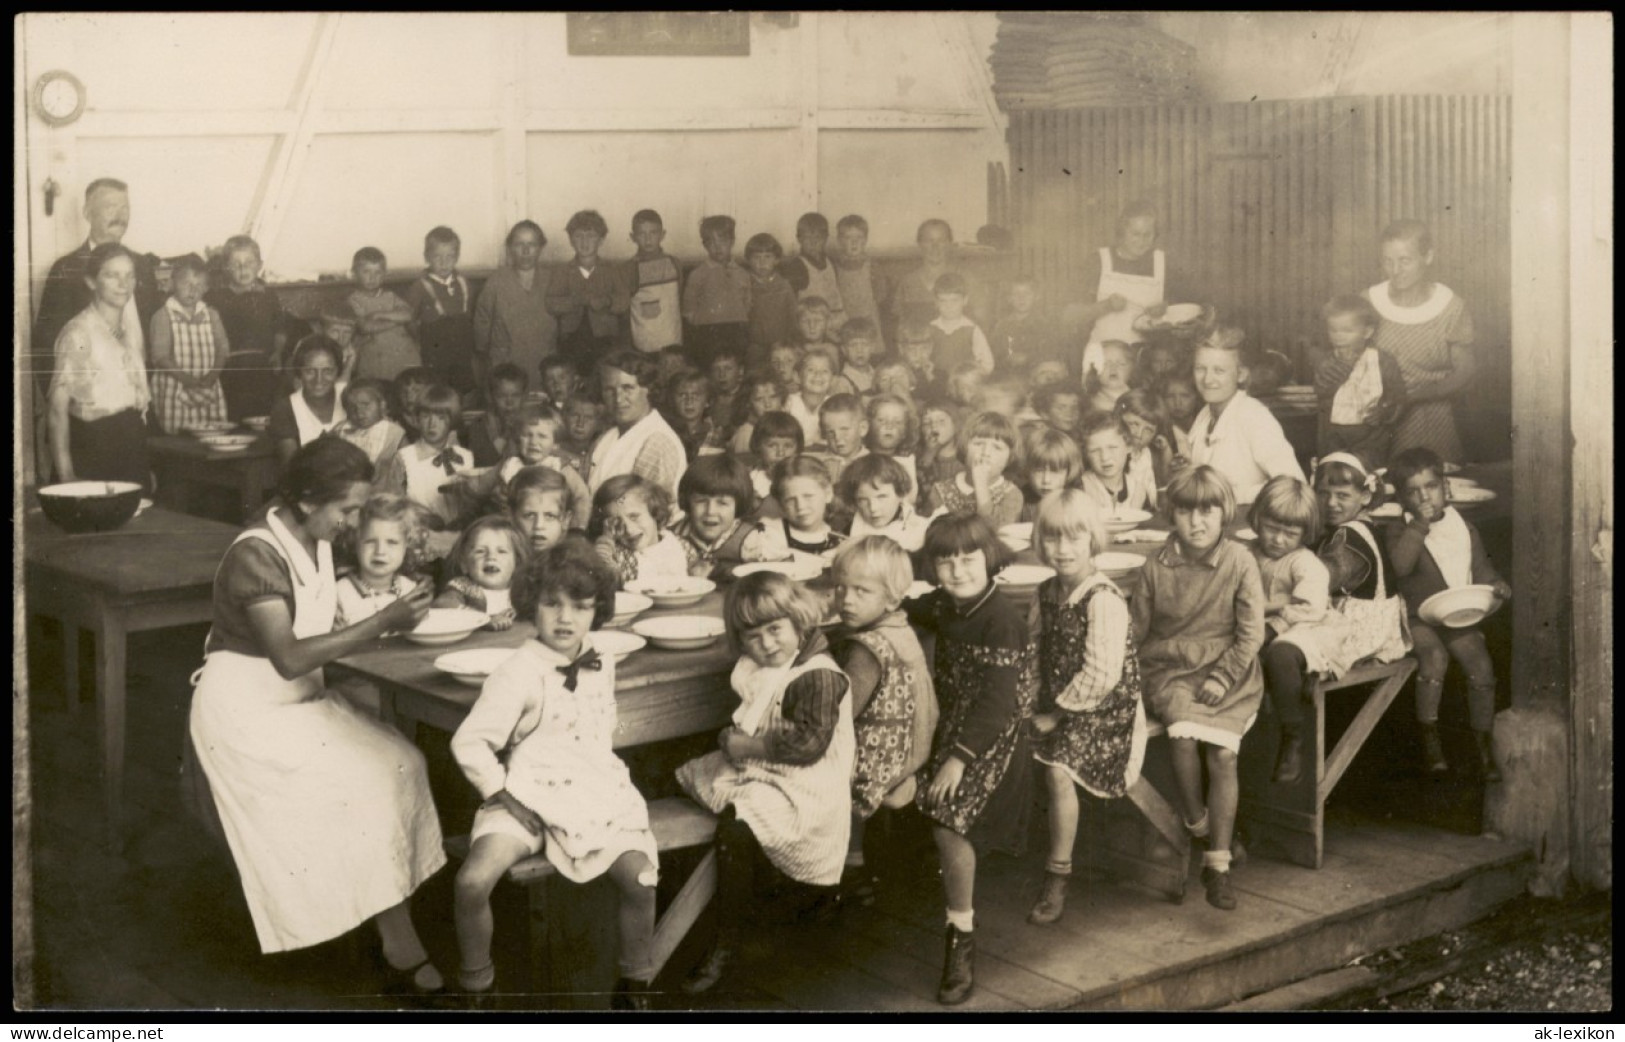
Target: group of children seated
{"type": "Point", "coordinates": [895, 445]}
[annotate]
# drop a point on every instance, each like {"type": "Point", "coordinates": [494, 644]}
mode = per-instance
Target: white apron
{"type": "Point", "coordinates": [310, 426]}
{"type": "Point", "coordinates": [1355, 628]}
{"type": "Point", "coordinates": [1141, 291]}
{"type": "Point", "coordinates": [656, 312]}
{"type": "Point", "coordinates": [801, 815]}
{"type": "Point", "coordinates": [327, 812]}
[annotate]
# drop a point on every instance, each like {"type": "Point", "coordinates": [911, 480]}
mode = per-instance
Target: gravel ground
{"type": "Point", "coordinates": [1564, 968]}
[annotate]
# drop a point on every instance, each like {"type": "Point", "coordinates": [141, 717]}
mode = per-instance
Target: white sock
{"type": "Point", "coordinates": [854, 859]}
{"type": "Point", "coordinates": [964, 921]}
{"type": "Point", "coordinates": [1198, 828]}
{"type": "Point", "coordinates": [1218, 860]}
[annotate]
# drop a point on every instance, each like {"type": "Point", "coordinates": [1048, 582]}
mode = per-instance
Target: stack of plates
{"type": "Point", "coordinates": [1296, 394]}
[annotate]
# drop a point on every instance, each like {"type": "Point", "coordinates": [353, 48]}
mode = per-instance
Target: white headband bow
{"type": "Point", "coordinates": [1347, 459]}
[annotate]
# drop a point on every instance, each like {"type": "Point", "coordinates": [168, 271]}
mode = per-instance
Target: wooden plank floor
{"type": "Point", "coordinates": [162, 925]}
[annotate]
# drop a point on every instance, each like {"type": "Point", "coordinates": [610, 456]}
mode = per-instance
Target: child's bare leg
{"type": "Point", "coordinates": [491, 856]}
{"type": "Point", "coordinates": [958, 874]}
{"type": "Point", "coordinates": [1063, 815]}
{"type": "Point", "coordinates": [636, 878]}
{"type": "Point", "coordinates": [1188, 773]}
{"type": "Point", "coordinates": [403, 949]}
{"type": "Point", "coordinates": [854, 846]}
{"type": "Point", "coordinates": [1223, 792]}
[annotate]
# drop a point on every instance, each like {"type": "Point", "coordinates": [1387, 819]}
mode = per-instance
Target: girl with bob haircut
{"type": "Point", "coordinates": [990, 452]}
{"type": "Point", "coordinates": [629, 518]}
{"type": "Point", "coordinates": [1090, 724]}
{"type": "Point", "coordinates": [717, 530]}
{"type": "Point", "coordinates": [1054, 462]}
{"type": "Point", "coordinates": [1199, 623]}
{"type": "Point", "coordinates": [780, 781]}
{"type": "Point", "coordinates": [878, 491]}
{"type": "Point", "coordinates": [483, 562]}
{"type": "Point", "coordinates": [985, 672]}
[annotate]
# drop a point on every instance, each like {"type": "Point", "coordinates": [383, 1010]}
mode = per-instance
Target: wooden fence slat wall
{"type": "Point", "coordinates": [1272, 207]}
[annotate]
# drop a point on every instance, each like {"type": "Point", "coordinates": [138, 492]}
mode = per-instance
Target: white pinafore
{"type": "Point", "coordinates": [327, 812]}
{"type": "Point", "coordinates": [1141, 291]}
{"type": "Point", "coordinates": [800, 814]}
{"type": "Point", "coordinates": [310, 425]}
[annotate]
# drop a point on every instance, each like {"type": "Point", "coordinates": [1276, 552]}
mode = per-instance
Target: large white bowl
{"type": "Point", "coordinates": [680, 632]}
{"type": "Point", "coordinates": [257, 423]}
{"type": "Point", "coordinates": [1023, 578]}
{"type": "Point", "coordinates": [1115, 563]}
{"type": "Point", "coordinates": [473, 665]}
{"type": "Point", "coordinates": [1459, 606]}
{"type": "Point", "coordinates": [202, 429]}
{"type": "Point", "coordinates": [446, 626]}
{"type": "Point", "coordinates": [617, 643]}
{"type": "Point", "coordinates": [629, 606]}
{"type": "Point", "coordinates": [800, 569]}
{"type": "Point", "coordinates": [228, 442]}
{"type": "Point", "coordinates": [1125, 520]}
{"type": "Point", "coordinates": [673, 591]}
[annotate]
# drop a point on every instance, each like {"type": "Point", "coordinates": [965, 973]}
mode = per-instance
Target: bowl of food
{"type": "Point", "coordinates": [680, 632]}
{"type": "Point", "coordinates": [798, 569]}
{"type": "Point", "coordinates": [228, 442]}
{"type": "Point", "coordinates": [1126, 520]}
{"type": "Point", "coordinates": [257, 423]}
{"type": "Point", "coordinates": [1017, 537]}
{"type": "Point", "coordinates": [472, 666]}
{"type": "Point", "coordinates": [673, 591]}
{"type": "Point", "coordinates": [617, 644]}
{"type": "Point", "coordinates": [629, 606]}
{"type": "Point", "coordinates": [446, 626]}
{"type": "Point", "coordinates": [1458, 606]}
{"type": "Point", "coordinates": [200, 430]}
{"type": "Point", "coordinates": [1115, 564]}
{"type": "Point", "coordinates": [1023, 578]}
{"type": "Point", "coordinates": [90, 506]}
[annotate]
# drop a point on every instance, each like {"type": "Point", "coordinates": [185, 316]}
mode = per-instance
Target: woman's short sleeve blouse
{"type": "Point", "coordinates": [252, 571]}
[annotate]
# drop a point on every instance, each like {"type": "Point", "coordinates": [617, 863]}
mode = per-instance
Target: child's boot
{"type": "Point", "coordinates": [709, 971]}
{"type": "Point", "coordinates": [630, 994]}
{"type": "Point", "coordinates": [1052, 899]}
{"type": "Point", "coordinates": [1289, 758]}
{"type": "Point", "coordinates": [1486, 758]}
{"type": "Point", "coordinates": [958, 967]}
{"type": "Point", "coordinates": [1216, 880]}
{"type": "Point", "coordinates": [1433, 750]}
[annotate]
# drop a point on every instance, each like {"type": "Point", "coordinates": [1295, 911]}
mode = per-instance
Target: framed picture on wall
{"type": "Point", "coordinates": [672, 33]}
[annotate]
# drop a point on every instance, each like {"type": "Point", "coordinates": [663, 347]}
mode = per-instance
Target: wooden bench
{"type": "Point", "coordinates": [1291, 818]}
{"type": "Point", "coordinates": [678, 823]}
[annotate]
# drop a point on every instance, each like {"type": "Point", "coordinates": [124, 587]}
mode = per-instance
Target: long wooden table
{"type": "Point", "coordinates": [155, 572]}
{"type": "Point", "coordinates": [184, 464]}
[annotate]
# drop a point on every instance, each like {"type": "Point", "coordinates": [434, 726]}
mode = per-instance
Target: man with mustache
{"type": "Point", "coordinates": [65, 294]}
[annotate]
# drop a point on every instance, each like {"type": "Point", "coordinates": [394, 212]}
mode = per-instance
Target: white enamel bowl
{"type": "Point", "coordinates": [629, 606]}
{"type": "Point", "coordinates": [473, 665]}
{"type": "Point", "coordinates": [228, 442]}
{"type": "Point", "coordinates": [1023, 578]}
{"type": "Point", "coordinates": [801, 569]}
{"type": "Point", "coordinates": [1459, 606]}
{"type": "Point", "coordinates": [617, 643]}
{"type": "Point", "coordinates": [1114, 563]}
{"type": "Point", "coordinates": [674, 591]}
{"type": "Point", "coordinates": [204, 429]}
{"type": "Point", "coordinates": [680, 632]}
{"type": "Point", "coordinates": [1125, 520]}
{"type": "Point", "coordinates": [1017, 537]}
{"type": "Point", "coordinates": [446, 626]}
{"type": "Point", "coordinates": [257, 423]}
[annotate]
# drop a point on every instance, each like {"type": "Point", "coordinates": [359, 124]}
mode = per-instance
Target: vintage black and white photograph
{"type": "Point", "coordinates": [805, 511]}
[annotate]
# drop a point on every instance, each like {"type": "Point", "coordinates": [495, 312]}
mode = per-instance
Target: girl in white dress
{"type": "Point", "coordinates": [326, 811]}
{"type": "Point", "coordinates": [537, 746]}
{"type": "Point", "coordinates": [421, 468]}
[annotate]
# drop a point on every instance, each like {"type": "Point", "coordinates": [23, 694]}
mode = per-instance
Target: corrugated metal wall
{"type": "Point", "coordinates": [1270, 208]}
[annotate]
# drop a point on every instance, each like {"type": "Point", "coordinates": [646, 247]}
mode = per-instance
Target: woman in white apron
{"type": "Point", "coordinates": [317, 408]}
{"type": "Point", "coordinates": [326, 811]}
{"type": "Point", "coordinates": [1133, 277]}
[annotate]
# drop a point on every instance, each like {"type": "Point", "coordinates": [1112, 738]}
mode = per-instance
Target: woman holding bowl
{"type": "Point", "coordinates": [326, 810]}
{"type": "Point", "coordinates": [98, 395]}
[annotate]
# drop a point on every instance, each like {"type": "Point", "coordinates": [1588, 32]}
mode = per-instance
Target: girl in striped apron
{"type": "Point", "coordinates": [188, 343]}
{"type": "Point", "coordinates": [781, 779]}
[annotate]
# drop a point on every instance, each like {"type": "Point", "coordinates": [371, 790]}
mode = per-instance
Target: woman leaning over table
{"type": "Point", "coordinates": [317, 407]}
{"type": "Point", "coordinates": [327, 811]}
{"type": "Point", "coordinates": [98, 395]}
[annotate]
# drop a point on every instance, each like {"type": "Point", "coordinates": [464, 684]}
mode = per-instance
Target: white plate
{"type": "Point", "coordinates": [919, 588]}
{"type": "Point", "coordinates": [1114, 563]}
{"type": "Point", "coordinates": [228, 442]}
{"type": "Point", "coordinates": [629, 606]}
{"type": "Point", "coordinates": [89, 489]}
{"type": "Point", "coordinates": [1019, 578]}
{"type": "Point", "coordinates": [257, 423]}
{"type": "Point", "coordinates": [1458, 606]}
{"type": "Point", "coordinates": [1388, 510]}
{"type": "Point", "coordinates": [213, 428]}
{"type": "Point", "coordinates": [1246, 535]}
{"type": "Point", "coordinates": [680, 632]}
{"type": "Point", "coordinates": [1461, 482]}
{"type": "Point", "coordinates": [796, 570]}
{"type": "Point", "coordinates": [446, 626]}
{"type": "Point", "coordinates": [673, 591]}
{"type": "Point", "coordinates": [1123, 520]}
{"type": "Point", "coordinates": [1177, 313]}
{"type": "Point", "coordinates": [1141, 536]}
{"type": "Point", "coordinates": [1017, 537]}
{"type": "Point", "coordinates": [617, 643]}
{"type": "Point", "coordinates": [473, 665]}
{"type": "Point", "coordinates": [1470, 494]}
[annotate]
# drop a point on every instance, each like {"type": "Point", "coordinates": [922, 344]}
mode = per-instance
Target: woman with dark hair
{"type": "Point", "coordinates": [327, 812]}
{"type": "Point", "coordinates": [511, 320]}
{"type": "Point", "coordinates": [98, 394]}
{"type": "Point", "coordinates": [640, 441]}
{"type": "Point", "coordinates": [317, 408]}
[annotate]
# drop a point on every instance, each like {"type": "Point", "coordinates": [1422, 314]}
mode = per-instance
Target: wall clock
{"type": "Point", "coordinates": [59, 97]}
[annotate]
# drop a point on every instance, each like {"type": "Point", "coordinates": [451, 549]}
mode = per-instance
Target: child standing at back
{"type": "Point", "coordinates": [538, 747]}
{"type": "Point", "coordinates": [955, 338]}
{"type": "Point", "coordinates": [443, 312]}
{"type": "Point", "coordinates": [1024, 335]}
{"type": "Point", "coordinates": [1090, 721]}
{"type": "Point", "coordinates": [914, 300]}
{"type": "Point", "coordinates": [716, 299]}
{"type": "Point", "coordinates": [1438, 549]}
{"type": "Point", "coordinates": [772, 298]}
{"type": "Point", "coordinates": [656, 285]}
{"type": "Point", "coordinates": [780, 781]}
{"type": "Point", "coordinates": [588, 298]}
{"type": "Point", "coordinates": [256, 332]}
{"type": "Point", "coordinates": [975, 788]}
{"type": "Point", "coordinates": [811, 272]}
{"type": "Point", "coordinates": [384, 346]}
{"type": "Point", "coordinates": [188, 348]}
{"type": "Point", "coordinates": [1360, 387]}
{"type": "Point", "coordinates": [1199, 623]}
{"type": "Point", "coordinates": [864, 291]}
{"type": "Point", "coordinates": [859, 338]}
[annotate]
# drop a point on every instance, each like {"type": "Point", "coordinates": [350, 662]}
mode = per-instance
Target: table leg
{"type": "Point", "coordinates": [110, 678]}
